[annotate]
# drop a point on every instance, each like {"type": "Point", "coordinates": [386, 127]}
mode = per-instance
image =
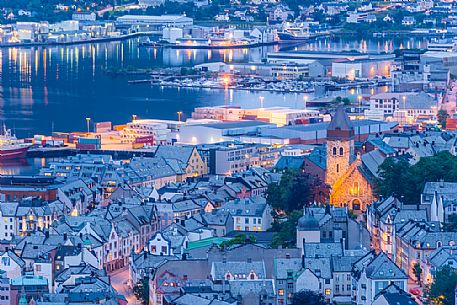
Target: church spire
{"type": "Point", "coordinates": [340, 126]}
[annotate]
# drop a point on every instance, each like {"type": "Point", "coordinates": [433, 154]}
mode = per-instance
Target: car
{"type": "Point", "coordinates": [415, 291]}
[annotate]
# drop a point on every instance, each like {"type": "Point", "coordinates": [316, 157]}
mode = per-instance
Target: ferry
{"type": "Point", "coordinates": [293, 32]}
{"type": "Point", "coordinates": [11, 147]}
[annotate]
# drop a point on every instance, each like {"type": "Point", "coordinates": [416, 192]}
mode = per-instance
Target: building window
{"type": "Point", "coordinates": [280, 292]}
{"type": "Point", "coordinates": [341, 151]}
{"type": "Point", "coordinates": [327, 291]}
{"type": "Point", "coordinates": [334, 151]}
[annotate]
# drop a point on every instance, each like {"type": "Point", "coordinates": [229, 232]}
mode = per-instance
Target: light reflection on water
{"type": "Point", "coordinates": [56, 88]}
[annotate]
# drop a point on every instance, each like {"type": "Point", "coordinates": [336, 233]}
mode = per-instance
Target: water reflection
{"type": "Point", "coordinates": [55, 88]}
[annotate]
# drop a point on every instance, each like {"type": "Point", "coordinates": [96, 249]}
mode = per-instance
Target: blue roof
{"type": "Point", "coordinates": [290, 162]}
{"type": "Point", "coordinates": [318, 156]}
{"type": "Point", "coordinates": [29, 280]}
{"type": "Point", "coordinates": [382, 146]}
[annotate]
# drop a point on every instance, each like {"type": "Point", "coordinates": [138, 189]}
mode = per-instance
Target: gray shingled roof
{"type": "Point", "coordinates": [340, 120]}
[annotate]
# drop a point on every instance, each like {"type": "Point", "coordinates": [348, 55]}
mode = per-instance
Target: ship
{"type": "Point", "coordinates": [293, 32]}
{"type": "Point", "coordinates": [11, 147]}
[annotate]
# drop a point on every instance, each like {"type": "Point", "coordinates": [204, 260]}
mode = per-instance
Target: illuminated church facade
{"type": "Point", "coordinates": [344, 172]}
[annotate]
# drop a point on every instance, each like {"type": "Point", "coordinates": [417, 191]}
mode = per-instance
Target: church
{"type": "Point", "coordinates": [344, 172]}
{"type": "Point", "coordinates": [338, 165]}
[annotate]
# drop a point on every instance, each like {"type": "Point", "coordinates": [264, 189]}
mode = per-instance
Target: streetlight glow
{"type": "Point", "coordinates": [88, 125]}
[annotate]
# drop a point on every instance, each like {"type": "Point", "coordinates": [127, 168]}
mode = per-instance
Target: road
{"type": "Point", "coordinates": [119, 282]}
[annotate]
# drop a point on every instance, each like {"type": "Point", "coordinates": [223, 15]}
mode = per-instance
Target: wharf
{"type": "Point", "coordinates": [70, 151]}
{"type": "Point", "coordinates": [208, 47]}
{"type": "Point", "coordinates": [222, 87]}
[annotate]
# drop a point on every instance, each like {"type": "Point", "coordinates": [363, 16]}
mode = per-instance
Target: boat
{"type": "Point", "coordinates": [11, 147]}
{"type": "Point", "coordinates": [293, 32]}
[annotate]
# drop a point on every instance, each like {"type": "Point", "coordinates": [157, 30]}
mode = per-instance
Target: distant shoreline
{"type": "Point", "coordinates": [89, 41]}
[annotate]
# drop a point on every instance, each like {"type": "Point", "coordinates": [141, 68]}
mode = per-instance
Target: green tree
{"type": "Point", "coordinates": [442, 116]}
{"type": "Point", "coordinates": [239, 239]}
{"type": "Point", "coordinates": [451, 223]}
{"type": "Point", "coordinates": [285, 232]}
{"type": "Point", "coordinates": [442, 166]}
{"type": "Point", "coordinates": [308, 297]}
{"type": "Point", "coordinates": [442, 290]}
{"type": "Point", "coordinates": [417, 270]}
{"type": "Point", "coordinates": [141, 290]}
{"type": "Point", "coordinates": [295, 190]}
{"type": "Point", "coordinates": [346, 101]}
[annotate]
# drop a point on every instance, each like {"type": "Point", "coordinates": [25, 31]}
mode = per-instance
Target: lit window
{"type": "Point", "coordinates": [327, 291]}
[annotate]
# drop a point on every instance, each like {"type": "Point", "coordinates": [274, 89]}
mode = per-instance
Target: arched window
{"type": "Point", "coordinates": [252, 276]}
{"type": "Point", "coordinates": [341, 151]}
{"type": "Point", "coordinates": [355, 189]}
{"type": "Point", "coordinates": [334, 151]}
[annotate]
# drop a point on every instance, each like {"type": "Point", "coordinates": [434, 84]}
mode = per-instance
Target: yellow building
{"type": "Point", "coordinates": [185, 158]}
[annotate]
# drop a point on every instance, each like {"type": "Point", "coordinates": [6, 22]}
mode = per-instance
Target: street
{"type": "Point", "coordinates": [119, 282]}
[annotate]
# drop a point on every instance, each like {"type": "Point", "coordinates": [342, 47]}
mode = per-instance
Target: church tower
{"type": "Point", "coordinates": [340, 146]}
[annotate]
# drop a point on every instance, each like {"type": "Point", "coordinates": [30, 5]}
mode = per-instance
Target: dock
{"type": "Point", "coordinates": [70, 151]}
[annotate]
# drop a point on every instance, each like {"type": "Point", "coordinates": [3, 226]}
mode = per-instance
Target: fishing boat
{"type": "Point", "coordinates": [11, 147]}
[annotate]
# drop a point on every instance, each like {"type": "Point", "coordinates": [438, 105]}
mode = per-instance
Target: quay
{"type": "Point", "coordinates": [92, 40]}
{"type": "Point", "coordinates": [207, 46]}
{"type": "Point", "coordinates": [70, 151]}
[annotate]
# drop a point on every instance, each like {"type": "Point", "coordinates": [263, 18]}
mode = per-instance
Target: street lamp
{"type": "Point", "coordinates": [134, 116]}
{"type": "Point", "coordinates": [261, 98]}
{"type": "Point", "coordinates": [305, 99]}
{"type": "Point", "coordinates": [179, 115]}
{"type": "Point", "coordinates": [359, 98]}
{"type": "Point", "coordinates": [88, 125]}
{"type": "Point", "coordinates": [404, 102]}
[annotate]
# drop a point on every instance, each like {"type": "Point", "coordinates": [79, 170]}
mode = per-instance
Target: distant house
{"type": "Point", "coordinates": [394, 295]}
{"type": "Point", "coordinates": [84, 16]}
{"type": "Point", "coordinates": [370, 19]}
{"type": "Point", "coordinates": [372, 274]}
{"type": "Point", "coordinates": [408, 21]}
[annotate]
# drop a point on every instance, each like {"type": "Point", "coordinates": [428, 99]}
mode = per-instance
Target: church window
{"type": "Point", "coordinates": [355, 189]}
{"type": "Point", "coordinates": [334, 151]}
{"type": "Point", "coordinates": [341, 151]}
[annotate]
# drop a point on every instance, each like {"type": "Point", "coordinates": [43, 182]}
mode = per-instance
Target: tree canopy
{"type": "Point", "coordinates": [295, 190]}
{"type": "Point", "coordinates": [442, 290]}
{"type": "Point", "coordinates": [413, 177]}
{"type": "Point", "coordinates": [308, 297]}
{"type": "Point", "coordinates": [285, 232]}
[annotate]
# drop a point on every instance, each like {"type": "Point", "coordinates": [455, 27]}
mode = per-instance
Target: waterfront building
{"type": "Point", "coordinates": [219, 132]}
{"type": "Point", "coordinates": [84, 16]}
{"type": "Point", "coordinates": [317, 133]}
{"type": "Point", "coordinates": [159, 131]}
{"type": "Point", "coordinates": [361, 69]}
{"type": "Point", "coordinates": [154, 22]}
{"type": "Point", "coordinates": [415, 104]}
